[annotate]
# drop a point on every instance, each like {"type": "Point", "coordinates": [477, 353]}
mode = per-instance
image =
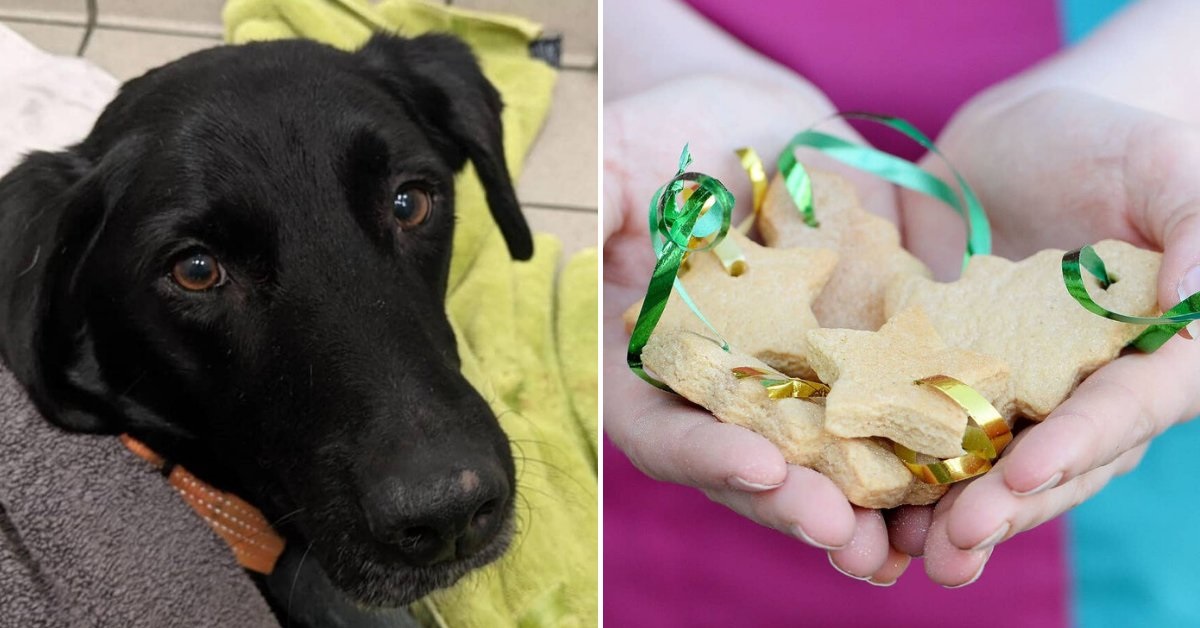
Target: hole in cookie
{"type": "Point", "coordinates": [1098, 282]}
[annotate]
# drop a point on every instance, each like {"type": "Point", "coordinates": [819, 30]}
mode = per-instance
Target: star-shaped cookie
{"type": "Point", "coordinates": [869, 253]}
{"type": "Point", "coordinates": [764, 312]}
{"type": "Point", "coordinates": [871, 376]}
{"type": "Point", "coordinates": [866, 469]}
{"type": "Point", "coordinates": [1021, 313]}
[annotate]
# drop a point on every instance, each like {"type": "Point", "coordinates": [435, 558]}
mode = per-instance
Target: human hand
{"type": "Point", "coordinates": [1063, 168]}
{"type": "Point", "coordinates": [662, 434]}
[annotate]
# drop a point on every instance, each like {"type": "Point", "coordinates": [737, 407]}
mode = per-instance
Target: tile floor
{"type": "Point", "coordinates": [559, 186]}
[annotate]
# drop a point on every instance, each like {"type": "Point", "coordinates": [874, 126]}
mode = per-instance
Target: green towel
{"type": "Point", "coordinates": [528, 339]}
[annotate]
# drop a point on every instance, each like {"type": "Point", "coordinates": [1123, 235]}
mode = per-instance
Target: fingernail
{"type": "Point", "coordinates": [994, 537]}
{"type": "Point", "coordinates": [974, 577]}
{"type": "Point", "coordinates": [743, 484]}
{"type": "Point", "coordinates": [799, 533]}
{"type": "Point", "coordinates": [845, 573]}
{"type": "Point", "coordinates": [1189, 285]}
{"type": "Point", "coordinates": [880, 584]}
{"type": "Point", "coordinates": [1044, 486]}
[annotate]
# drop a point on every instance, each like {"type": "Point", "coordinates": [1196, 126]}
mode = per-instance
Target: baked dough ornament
{"type": "Point", "coordinates": [870, 257]}
{"type": "Point", "coordinates": [1008, 339]}
{"type": "Point", "coordinates": [871, 377]}
{"type": "Point", "coordinates": [1020, 313]}
{"type": "Point", "coordinates": [765, 311]}
{"type": "Point", "coordinates": [865, 469]}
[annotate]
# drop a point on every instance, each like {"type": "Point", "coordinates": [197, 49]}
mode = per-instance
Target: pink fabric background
{"type": "Point", "coordinates": [916, 60]}
{"type": "Point", "coordinates": [673, 558]}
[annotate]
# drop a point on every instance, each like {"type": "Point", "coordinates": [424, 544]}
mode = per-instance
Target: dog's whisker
{"type": "Point", "coordinates": [525, 525]}
{"type": "Point", "coordinates": [521, 458]}
{"type": "Point", "coordinates": [36, 254]}
{"type": "Point", "coordinates": [524, 488]}
{"type": "Point", "coordinates": [295, 579]}
{"type": "Point", "coordinates": [546, 464]}
{"type": "Point", "coordinates": [545, 494]}
{"type": "Point", "coordinates": [134, 383]}
{"type": "Point", "coordinates": [287, 516]}
{"type": "Point", "coordinates": [509, 411]}
{"type": "Point", "coordinates": [521, 470]}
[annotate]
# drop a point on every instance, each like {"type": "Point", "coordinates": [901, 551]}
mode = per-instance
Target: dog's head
{"type": "Point", "coordinates": [245, 265]}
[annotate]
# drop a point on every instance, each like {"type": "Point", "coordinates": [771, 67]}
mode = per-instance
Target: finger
{"type": "Point", "coordinates": [1179, 276]}
{"type": "Point", "coordinates": [908, 527]}
{"type": "Point", "coordinates": [1122, 405]}
{"type": "Point", "coordinates": [1158, 173]}
{"type": "Point", "coordinates": [807, 506]}
{"type": "Point", "coordinates": [675, 442]}
{"type": "Point", "coordinates": [987, 513]}
{"type": "Point", "coordinates": [945, 563]}
{"type": "Point", "coordinates": [895, 565]}
{"type": "Point", "coordinates": [867, 551]}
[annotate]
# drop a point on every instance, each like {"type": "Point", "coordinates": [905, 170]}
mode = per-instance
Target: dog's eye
{"type": "Point", "coordinates": [411, 206]}
{"type": "Point", "coordinates": [197, 271]}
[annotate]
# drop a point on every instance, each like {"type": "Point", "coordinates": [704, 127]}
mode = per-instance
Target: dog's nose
{"type": "Point", "coordinates": [441, 517]}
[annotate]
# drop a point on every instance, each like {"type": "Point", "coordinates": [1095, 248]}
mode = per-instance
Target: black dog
{"type": "Point", "coordinates": [244, 266]}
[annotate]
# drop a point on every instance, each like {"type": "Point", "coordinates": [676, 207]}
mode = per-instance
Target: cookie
{"type": "Point", "coordinates": [865, 469]}
{"type": "Point", "coordinates": [871, 377]}
{"type": "Point", "coordinates": [1021, 313]}
{"type": "Point", "coordinates": [764, 312]}
{"type": "Point", "coordinates": [869, 253]}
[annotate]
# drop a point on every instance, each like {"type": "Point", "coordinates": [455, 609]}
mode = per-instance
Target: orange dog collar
{"type": "Point", "coordinates": [247, 532]}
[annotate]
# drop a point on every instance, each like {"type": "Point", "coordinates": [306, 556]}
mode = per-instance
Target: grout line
{"type": "Point", "coordinates": [575, 209]}
{"type": "Point", "coordinates": [47, 19]}
{"type": "Point", "coordinates": [579, 61]}
{"type": "Point", "coordinates": [581, 66]}
{"type": "Point", "coordinates": [199, 32]}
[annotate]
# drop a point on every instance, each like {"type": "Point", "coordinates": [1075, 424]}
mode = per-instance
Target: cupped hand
{"type": "Point", "coordinates": [665, 436]}
{"type": "Point", "coordinates": [1064, 168]}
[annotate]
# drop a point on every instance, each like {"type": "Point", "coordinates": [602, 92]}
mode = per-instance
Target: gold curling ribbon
{"type": "Point", "coordinates": [986, 436]}
{"type": "Point", "coordinates": [731, 256]}
{"type": "Point", "coordinates": [780, 386]}
{"type": "Point", "coordinates": [757, 173]}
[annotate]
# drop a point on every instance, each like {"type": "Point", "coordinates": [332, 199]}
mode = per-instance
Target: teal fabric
{"type": "Point", "coordinates": [1135, 544]}
{"type": "Point", "coordinates": [1080, 17]}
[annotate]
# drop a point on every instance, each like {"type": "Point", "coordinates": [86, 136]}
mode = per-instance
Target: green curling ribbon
{"type": "Point", "coordinates": [890, 168]}
{"type": "Point", "coordinates": [797, 181]}
{"type": "Point", "coordinates": [1161, 328]}
{"type": "Point", "coordinates": [672, 229]}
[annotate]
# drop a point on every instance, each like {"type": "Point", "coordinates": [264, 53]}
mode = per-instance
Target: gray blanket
{"type": "Point", "coordinates": [90, 535]}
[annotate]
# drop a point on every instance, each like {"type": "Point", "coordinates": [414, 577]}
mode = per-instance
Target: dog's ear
{"type": "Point", "coordinates": [439, 78]}
{"type": "Point", "coordinates": [60, 214]}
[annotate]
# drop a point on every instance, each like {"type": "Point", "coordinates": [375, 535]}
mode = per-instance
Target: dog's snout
{"type": "Point", "coordinates": [439, 517]}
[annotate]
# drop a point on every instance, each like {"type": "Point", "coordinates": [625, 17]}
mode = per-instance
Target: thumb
{"type": "Point", "coordinates": [1160, 181]}
{"type": "Point", "coordinates": [1179, 276]}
